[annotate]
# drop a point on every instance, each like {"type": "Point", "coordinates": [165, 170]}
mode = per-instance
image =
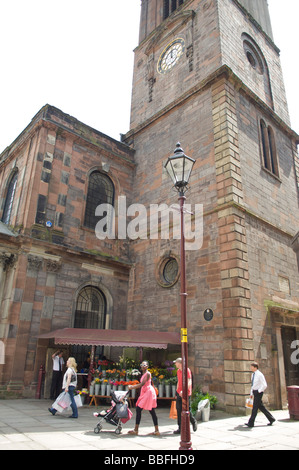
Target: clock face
{"type": "Point", "coordinates": [171, 55]}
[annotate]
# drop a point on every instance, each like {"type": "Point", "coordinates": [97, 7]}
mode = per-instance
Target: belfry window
{"type": "Point", "coordinates": [169, 6]}
{"type": "Point", "coordinates": [100, 191]}
{"type": "Point", "coordinates": [10, 194]}
{"type": "Point", "coordinates": [269, 152]}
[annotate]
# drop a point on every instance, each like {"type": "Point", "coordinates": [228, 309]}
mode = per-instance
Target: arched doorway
{"type": "Point", "coordinates": [91, 313]}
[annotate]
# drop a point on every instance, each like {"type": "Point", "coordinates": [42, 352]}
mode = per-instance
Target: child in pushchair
{"type": "Point", "coordinates": [117, 415]}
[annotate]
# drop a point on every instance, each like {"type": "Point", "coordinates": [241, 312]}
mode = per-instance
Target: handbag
{"type": "Point", "coordinates": [249, 403]}
{"type": "Point", "coordinates": [122, 410]}
{"type": "Point", "coordinates": [130, 414]}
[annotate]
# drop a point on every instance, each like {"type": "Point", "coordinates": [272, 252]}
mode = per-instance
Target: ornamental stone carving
{"type": "Point", "coordinates": [34, 263]}
{"type": "Point", "coordinates": [7, 260]}
{"type": "Point", "coordinates": [52, 265]}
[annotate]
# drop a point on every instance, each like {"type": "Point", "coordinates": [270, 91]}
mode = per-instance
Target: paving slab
{"type": "Point", "coordinates": [26, 424]}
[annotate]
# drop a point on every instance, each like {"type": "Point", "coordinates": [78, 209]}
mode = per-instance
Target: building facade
{"type": "Point", "coordinates": [207, 73]}
{"type": "Point", "coordinates": [55, 272]}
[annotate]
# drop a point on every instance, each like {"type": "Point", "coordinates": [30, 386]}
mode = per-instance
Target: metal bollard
{"type": "Point", "coordinates": [41, 374]}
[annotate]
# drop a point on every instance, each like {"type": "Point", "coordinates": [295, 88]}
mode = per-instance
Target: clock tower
{"type": "Point", "coordinates": [207, 73]}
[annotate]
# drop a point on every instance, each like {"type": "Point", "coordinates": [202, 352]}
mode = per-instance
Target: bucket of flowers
{"type": "Point", "coordinates": [83, 394]}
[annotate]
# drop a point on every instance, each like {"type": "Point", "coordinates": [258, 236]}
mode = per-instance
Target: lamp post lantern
{"type": "Point", "coordinates": [179, 168]}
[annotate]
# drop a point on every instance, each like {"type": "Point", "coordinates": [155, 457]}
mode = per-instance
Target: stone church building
{"type": "Point", "coordinates": [207, 73]}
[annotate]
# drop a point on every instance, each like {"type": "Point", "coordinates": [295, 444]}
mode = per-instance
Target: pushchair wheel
{"type": "Point", "coordinates": [98, 429]}
{"type": "Point", "coordinates": [118, 430]}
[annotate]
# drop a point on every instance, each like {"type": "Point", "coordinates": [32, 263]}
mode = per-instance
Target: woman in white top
{"type": "Point", "coordinates": [69, 385]}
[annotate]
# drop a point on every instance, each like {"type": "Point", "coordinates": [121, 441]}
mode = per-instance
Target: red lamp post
{"type": "Point", "coordinates": [179, 168]}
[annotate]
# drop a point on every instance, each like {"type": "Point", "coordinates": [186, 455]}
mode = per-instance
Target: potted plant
{"type": "Point", "coordinates": [161, 379]}
{"type": "Point", "coordinates": [91, 388]}
{"type": "Point", "coordinates": [173, 383]}
{"type": "Point", "coordinates": [83, 393]}
{"type": "Point", "coordinates": [167, 387]}
{"type": "Point", "coordinates": [97, 385]}
{"type": "Point", "coordinates": [103, 386]}
{"type": "Point", "coordinates": [198, 395]}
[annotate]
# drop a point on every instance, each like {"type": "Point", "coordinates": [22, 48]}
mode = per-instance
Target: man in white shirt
{"type": "Point", "coordinates": [258, 386]}
{"type": "Point", "coordinates": [56, 385]}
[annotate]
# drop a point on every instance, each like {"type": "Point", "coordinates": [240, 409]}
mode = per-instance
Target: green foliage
{"type": "Point", "coordinates": [198, 395]}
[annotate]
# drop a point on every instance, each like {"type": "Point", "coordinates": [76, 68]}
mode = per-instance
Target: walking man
{"type": "Point", "coordinates": [179, 393]}
{"type": "Point", "coordinates": [258, 386]}
{"type": "Point", "coordinates": [56, 385]}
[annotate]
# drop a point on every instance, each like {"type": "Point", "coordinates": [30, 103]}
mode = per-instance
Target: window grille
{"type": "Point", "coordinates": [90, 309]}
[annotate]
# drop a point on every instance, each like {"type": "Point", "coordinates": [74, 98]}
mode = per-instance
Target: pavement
{"type": "Point", "coordinates": [26, 424]}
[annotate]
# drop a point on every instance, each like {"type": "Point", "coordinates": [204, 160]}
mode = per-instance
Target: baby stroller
{"type": "Point", "coordinates": [118, 414]}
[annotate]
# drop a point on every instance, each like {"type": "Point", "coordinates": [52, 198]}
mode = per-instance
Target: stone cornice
{"type": "Point", "coordinates": [226, 71]}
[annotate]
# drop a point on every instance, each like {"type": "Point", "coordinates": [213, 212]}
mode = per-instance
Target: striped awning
{"type": "Point", "coordinates": [125, 338]}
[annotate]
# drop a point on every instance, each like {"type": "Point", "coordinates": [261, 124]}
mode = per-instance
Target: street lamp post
{"type": "Point", "coordinates": [179, 168]}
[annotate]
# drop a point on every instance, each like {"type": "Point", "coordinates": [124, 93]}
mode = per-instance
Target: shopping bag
{"type": "Point", "coordinates": [62, 402]}
{"type": "Point", "coordinates": [173, 412]}
{"type": "Point", "coordinates": [249, 403]}
{"type": "Point", "coordinates": [78, 400]}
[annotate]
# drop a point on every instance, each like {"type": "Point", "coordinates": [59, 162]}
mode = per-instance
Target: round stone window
{"type": "Point", "coordinates": [168, 271]}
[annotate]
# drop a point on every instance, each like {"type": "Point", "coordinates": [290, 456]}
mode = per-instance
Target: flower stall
{"type": "Point", "coordinates": [103, 382]}
{"type": "Point", "coordinates": [104, 376]}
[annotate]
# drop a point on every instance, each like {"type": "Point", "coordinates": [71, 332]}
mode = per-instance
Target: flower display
{"type": "Point", "coordinates": [126, 372]}
{"type": "Point", "coordinates": [103, 364]}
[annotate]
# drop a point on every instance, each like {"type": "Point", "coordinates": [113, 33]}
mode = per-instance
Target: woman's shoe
{"type": "Point", "coordinates": [133, 432]}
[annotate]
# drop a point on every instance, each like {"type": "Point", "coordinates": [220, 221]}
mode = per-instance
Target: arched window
{"type": "Point", "coordinates": [269, 152]}
{"type": "Point", "coordinates": [90, 309]}
{"type": "Point", "coordinates": [100, 191]}
{"type": "Point", "coordinates": [11, 189]}
{"type": "Point", "coordinates": [259, 64]}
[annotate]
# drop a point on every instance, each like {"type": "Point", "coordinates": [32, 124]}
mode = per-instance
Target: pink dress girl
{"type": "Point", "coordinates": [147, 400]}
